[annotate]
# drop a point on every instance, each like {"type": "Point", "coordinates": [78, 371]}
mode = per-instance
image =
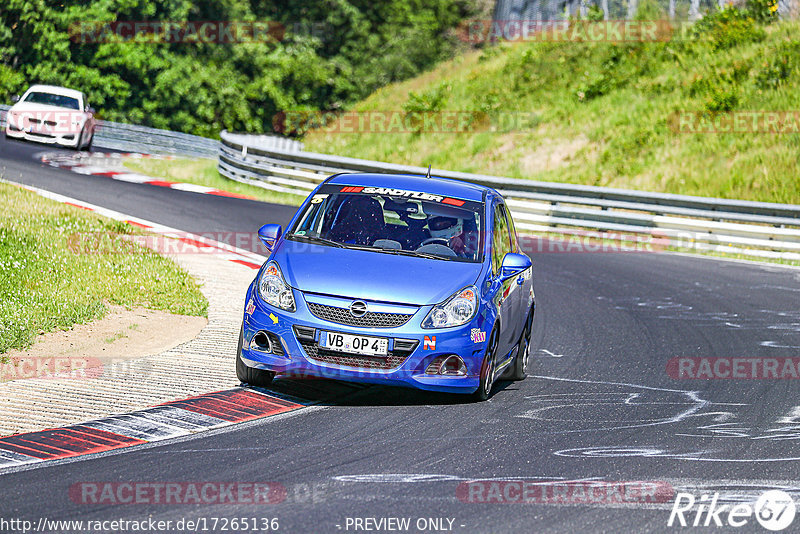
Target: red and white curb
{"type": "Point", "coordinates": [110, 165]}
{"type": "Point", "coordinates": [170, 420]}
{"type": "Point", "coordinates": [187, 239]}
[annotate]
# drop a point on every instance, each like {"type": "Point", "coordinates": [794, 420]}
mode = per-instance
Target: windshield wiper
{"type": "Point", "coordinates": [400, 252]}
{"type": "Point", "coordinates": [425, 255]}
{"type": "Point", "coordinates": [318, 240]}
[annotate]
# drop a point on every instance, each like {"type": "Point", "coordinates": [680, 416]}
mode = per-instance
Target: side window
{"type": "Point", "coordinates": [501, 243]}
{"type": "Point", "coordinates": [513, 233]}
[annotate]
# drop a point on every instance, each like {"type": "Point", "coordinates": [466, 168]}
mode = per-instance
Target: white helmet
{"type": "Point", "coordinates": [445, 227]}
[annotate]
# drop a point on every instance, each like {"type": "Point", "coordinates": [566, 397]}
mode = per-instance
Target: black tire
{"type": "Point", "coordinates": [248, 375]}
{"type": "Point", "coordinates": [80, 139]}
{"type": "Point", "coordinates": [519, 370]}
{"type": "Point", "coordinates": [484, 390]}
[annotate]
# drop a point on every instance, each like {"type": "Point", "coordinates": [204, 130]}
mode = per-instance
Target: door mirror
{"type": "Point", "coordinates": [269, 235]}
{"type": "Point", "coordinates": [514, 264]}
{"type": "Point", "coordinates": [15, 99]}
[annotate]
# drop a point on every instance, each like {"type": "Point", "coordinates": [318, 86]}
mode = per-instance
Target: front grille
{"type": "Point", "coordinates": [394, 359]}
{"type": "Point", "coordinates": [46, 122]}
{"type": "Point", "coordinates": [338, 315]}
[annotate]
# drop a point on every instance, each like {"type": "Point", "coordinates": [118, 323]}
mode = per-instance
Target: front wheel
{"type": "Point", "coordinates": [487, 371]}
{"type": "Point", "coordinates": [248, 375]}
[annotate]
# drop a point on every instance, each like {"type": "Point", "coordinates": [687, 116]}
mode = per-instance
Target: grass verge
{"type": "Point", "coordinates": [204, 172]}
{"type": "Point", "coordinates": [47, 283]}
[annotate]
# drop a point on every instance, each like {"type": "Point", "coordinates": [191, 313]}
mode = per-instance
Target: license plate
{"type": "Point", "coordinates": [370, 346]}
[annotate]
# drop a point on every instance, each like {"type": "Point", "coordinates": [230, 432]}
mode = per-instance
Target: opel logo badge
{"type": "Point", "coordinates": [358, 308]}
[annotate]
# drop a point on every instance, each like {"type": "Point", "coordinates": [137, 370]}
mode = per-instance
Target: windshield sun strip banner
{"type": "Point", "coordinates": [400, 193]}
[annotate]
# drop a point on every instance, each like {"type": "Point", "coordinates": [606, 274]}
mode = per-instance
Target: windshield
{"type": "Point", "coordinates": [52, 100]}
{"type": "Point", "coordinates": [393, 221]}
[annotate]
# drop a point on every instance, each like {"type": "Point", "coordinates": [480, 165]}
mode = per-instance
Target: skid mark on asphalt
{"type": "Point", "coordinates": [695, 429]}
{"type": "Point", "coordinates": [778, 323]}
{"type": "Point", "coordinates": [776, 345]}
{"type": "Point", "coordinates": [550, 354]}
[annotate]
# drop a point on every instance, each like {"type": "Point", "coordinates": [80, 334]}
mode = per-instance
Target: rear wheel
{"type": "Point", "coordinates": [81, 137]}
{"type": "Point", "coordinates": [520, 368]}
{"type": "Point", "coordinates": [487, 371]}
{"type": "Point", "coordinates": [248, 375]}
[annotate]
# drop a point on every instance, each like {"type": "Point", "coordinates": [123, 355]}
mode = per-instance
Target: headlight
{"type": "Point", "coordinates": [457, 310]}
{"type": "Point", "coordinates": [273, 290]}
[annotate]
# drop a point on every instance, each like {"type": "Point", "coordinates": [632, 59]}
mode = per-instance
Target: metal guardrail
{"type": "Point", "coordinates": [698, 223]}
{"type": "Point", "coordinates": [133, 138]}
{"type": "Point", "coordinates": [268, 142]}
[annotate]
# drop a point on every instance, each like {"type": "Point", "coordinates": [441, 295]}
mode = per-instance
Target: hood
{"type": "Point", "coordinates": [367, 275]}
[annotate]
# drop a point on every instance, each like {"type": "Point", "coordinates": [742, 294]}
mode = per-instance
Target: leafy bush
{"type": "Point", "coordinates": [728, 27]}
{"type": "Point", "coordinates": [763, 11]}
{"type": "Point", "coordinates": [778, 66]}
{"type": "Point", "coordinates": [428, 101]}
{"type": "Point", "coordinates": [722, 99]}
{"type": "Point", "coordinates": [616, 68]}
{"type": "Point", "coordinates": [594, 14]}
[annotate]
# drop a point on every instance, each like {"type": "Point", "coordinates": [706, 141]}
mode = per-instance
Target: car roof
{"type": "Point", "coordinates": [433, 185]}
{"type": "Point", "coordinates": [56, 90]}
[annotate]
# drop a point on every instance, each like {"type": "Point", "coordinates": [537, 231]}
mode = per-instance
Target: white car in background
{"type": "Point", "coordinates": [53, 115]}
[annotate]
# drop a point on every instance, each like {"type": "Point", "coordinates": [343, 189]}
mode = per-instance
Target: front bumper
{"type": "Point", "coordinates": [298, 335]}
{"type": "Point", "coordinates": [62, 139]}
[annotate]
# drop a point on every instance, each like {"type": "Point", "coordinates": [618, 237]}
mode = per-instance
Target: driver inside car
{"type": "Point", "coordinates": [460, 234]}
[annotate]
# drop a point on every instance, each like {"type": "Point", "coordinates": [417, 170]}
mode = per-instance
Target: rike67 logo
{"type": "Point", "coordinates": [774, 510]}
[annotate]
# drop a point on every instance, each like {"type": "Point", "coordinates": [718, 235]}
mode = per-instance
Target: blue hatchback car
{"type": "Point", "coordinates": [392, 279]}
